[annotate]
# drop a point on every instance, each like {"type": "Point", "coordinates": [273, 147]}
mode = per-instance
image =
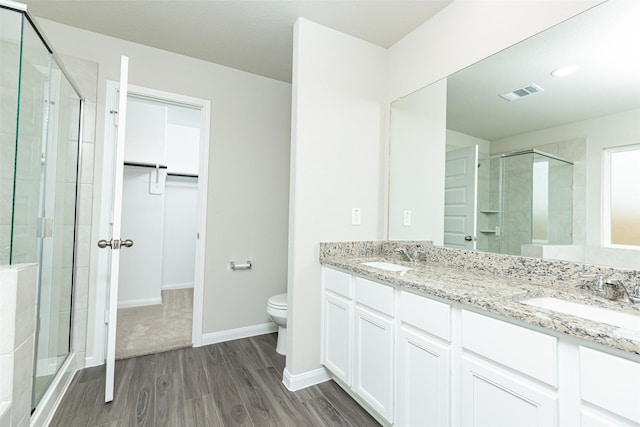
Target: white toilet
{"type": "Point", "coordinates": [277, 311]}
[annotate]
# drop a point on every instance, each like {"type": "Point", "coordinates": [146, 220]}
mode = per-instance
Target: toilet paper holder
{"type": "Point", "coordinates": [245, 266]}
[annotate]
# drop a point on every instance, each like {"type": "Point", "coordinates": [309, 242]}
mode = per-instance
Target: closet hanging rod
{"type": "Point", "coordinates": [183, 175]}
{"type": "Point", "coordinates": [145, 165]}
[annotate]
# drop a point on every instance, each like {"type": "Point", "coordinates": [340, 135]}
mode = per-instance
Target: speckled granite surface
{"type": "Point", "coordinates": [497, 283]}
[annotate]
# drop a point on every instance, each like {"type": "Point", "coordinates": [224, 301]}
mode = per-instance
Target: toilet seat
{"type": "Point", "coordinates": [278, 301]}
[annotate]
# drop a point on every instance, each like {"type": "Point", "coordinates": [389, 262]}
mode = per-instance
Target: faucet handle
{"type": "Point", "coordinates": [635, 292]}
{"type": "Point", "coordinates": [599, 286]}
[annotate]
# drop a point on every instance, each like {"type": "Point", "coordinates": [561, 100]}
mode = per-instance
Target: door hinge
{"type": "Point", "coordinates": [114, 114]}
{"type": "Point", "coordinates": [106, 317]}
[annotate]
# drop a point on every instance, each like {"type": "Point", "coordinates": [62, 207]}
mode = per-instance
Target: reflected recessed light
{"type": "Point", "coordinates": [564, 71]}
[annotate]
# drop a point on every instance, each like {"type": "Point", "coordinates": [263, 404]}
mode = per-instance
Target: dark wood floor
{"type": "Point", "coordinates": [237, 383]}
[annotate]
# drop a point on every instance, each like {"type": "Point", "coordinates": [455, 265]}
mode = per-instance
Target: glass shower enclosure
{"type": "Point", "coordinates": [39, 152]}
{"type": "Point", "coordinates": [524, 198]}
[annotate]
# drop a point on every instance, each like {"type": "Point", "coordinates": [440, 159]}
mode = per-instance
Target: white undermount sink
{"type": "Point", "coordinates": [387, 266]}
{"type": "Point", "coordinates": [596, 314]}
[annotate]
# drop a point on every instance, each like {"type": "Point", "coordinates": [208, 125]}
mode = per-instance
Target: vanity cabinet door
{"type": "Point", "coordinates": [373, 365]}
{"type": "Point", "coordinates": [423, 380]}
{"type": "Point", "coordinates": [337, 336]}
{"type": "Point", "coordinates": [491, 396]}
{"type": "Point", "coordinates": [608, 383]}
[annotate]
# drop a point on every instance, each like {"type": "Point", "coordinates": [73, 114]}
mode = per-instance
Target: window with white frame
{"type": "Point", "coordinates": [622, 196]}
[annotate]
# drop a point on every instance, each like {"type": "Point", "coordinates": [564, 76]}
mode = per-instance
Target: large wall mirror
{"type": "Point", "coordinates": [524, 141]}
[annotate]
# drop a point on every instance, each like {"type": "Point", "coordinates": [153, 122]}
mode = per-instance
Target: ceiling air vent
{"type": "Point", "coordinates": [522, 92]}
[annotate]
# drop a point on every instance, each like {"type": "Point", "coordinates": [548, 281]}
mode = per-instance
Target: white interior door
{"type": "Point", "coordinates": [115, 242]}
{"type": "Point", "coordinates": [460, 198]}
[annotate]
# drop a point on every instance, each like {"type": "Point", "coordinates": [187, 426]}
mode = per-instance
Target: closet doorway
{"type": "Point", "coordinates": [163, 212]}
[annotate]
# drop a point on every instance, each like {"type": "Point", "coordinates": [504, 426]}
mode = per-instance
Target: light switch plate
{"type": "Point", "coordinates": [356, 216]}
{"type": "Point", "coordinates": [406, 218]}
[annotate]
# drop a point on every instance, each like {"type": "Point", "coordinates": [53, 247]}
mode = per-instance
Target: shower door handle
{"type": "Point", "coordinates": [115, 243]}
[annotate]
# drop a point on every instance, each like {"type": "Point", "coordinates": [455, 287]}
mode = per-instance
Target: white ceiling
{"type": "Point", "coordinates": [250, 35]}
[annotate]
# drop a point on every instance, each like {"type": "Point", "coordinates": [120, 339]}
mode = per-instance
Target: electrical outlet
{"type": "Point", "coordinates": [356, 215]}
{"type": "Point", "coordinates": [406, 218]}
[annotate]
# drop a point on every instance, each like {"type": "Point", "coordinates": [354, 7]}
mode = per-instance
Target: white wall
{"type": "Point", "coordinates": [417, 159]}
{"type": "Point", "coordinates": [457, 140]}
{"type": "Point", "coordinates": [248, 168]}
{"type": "Point", "coordinates": [338, 151]}
{"type": "Point", "coordinates": [143, 222]}
{"type": "Point", "coordinates": [179, 244]}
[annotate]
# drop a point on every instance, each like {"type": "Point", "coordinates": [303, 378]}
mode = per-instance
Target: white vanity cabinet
{"type": "Point", "coordinates": [509, 374]}
{"type": "Point", "coordinates": [413, 360]}
{"type": "Point", "coordinates": [609, 390]}
{"type": "Point", "coordinates": [358, 337]}
{"type": "Point", "coordinates": [423, 367]}
{"type": "Point", "coordinates": [374, 343]}
{"type": "Point", "coordinates": [337, 324]}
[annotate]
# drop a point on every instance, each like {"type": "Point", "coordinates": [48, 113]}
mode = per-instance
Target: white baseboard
{"type": "Point", "coordinates": [170, 286]}
{"type": "Point", "coordinates": [306, 379]}
{"type": "Point", "coordinates": [93, 361]}
{"type": "Point", "coordinates": [139, 302]}
{"type": "Point", "coordinates": [235, 334]}
{"type": "Point", "coordinates": [54, 394]}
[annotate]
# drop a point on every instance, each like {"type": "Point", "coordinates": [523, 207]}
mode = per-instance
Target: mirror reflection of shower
{"type": "Point", "coordinates": [524, 198]}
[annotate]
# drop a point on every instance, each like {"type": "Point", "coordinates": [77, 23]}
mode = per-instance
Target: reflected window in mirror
{"type": "Point", "coordinates": [622, 169]}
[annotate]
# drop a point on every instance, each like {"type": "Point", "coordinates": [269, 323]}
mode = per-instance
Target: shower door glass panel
{"type": "Point", "coordinates": [31, 140]}
{"type": "Point", "coordinates": [10, 32]}
{"type": "Point", "coordinates": [517, 203]}
{"type": "Point", "coordinates": [54, 307]}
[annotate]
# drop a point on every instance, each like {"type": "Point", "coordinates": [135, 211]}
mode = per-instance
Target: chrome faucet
{"type": "Point", "coordinates": [615, 289]}
{"type": "Point", "coordinates": [597, 286]}
{"type": "Point", "coordinates": [412, 257]}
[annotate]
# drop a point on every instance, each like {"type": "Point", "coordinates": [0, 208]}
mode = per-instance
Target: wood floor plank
{"type": "Point", "coordinates": [116, 410]}
{"type": "Point", "coordinates": [141, 393]}
{"type": "Point", "coordinates": [242, 365]}
{"type": "Point", "coordinates": [283, 404]}
{"type": "Point", "coordinates": [202, 412]}
{"type": "Point", "coordinates": [74, 399]}
{"type": "Point", "coordinates": [169, 400]}
{"type": "Point", "coordinates": [266, 345]}
{"type": "Point", "coordinates": [324, 412]}
{"type": "Point", "coordinates": [194, 378]}
{"type": "Point", "coordinates": [354, 413]}
{"type": "Point", "coordinates": [168, 362]}
{"type": "Point", "coordinates": [225, 389]}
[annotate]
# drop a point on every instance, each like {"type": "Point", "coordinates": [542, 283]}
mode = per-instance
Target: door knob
{"type": "Point", "coordinates": [468, 238]}
{"type": "Point", "coordinates": [115, 243]}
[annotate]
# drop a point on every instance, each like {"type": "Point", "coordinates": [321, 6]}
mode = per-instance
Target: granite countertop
{"type": "Point", "coordinates": [501, 295]}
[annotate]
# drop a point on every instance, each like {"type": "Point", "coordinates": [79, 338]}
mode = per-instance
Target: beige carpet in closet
{"type": "Point", "coordinates": [155, 328]}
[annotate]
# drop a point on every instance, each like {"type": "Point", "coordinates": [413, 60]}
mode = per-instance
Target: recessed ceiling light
{"type": "Point", "coordinates": [564, 71]}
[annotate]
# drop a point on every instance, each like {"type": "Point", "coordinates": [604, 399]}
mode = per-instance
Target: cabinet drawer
{"type": "Point", "coordinates": [532, 353]}
{"type": "Point", "coordinates": [338, 282]}
{"type": "Point", "coordinates": [374, 295]}
{"type": "Point", "coordinates": [610, 382]}
{"type": "Point", "coordinates": [423, 313]}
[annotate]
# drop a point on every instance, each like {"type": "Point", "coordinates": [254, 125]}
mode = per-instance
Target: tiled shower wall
{"type": "Point", "coordinates": [85, 75]}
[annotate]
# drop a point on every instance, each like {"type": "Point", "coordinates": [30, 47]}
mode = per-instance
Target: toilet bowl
{"type": "Point", "coordinates": [277, 311]}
